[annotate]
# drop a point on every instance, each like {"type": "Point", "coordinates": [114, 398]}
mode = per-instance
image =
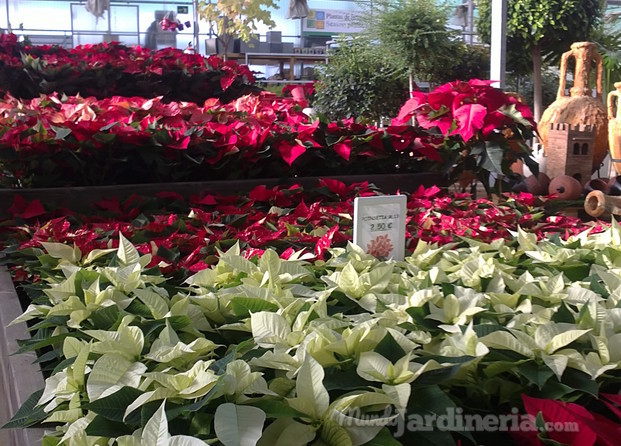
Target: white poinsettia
{"type": "Point", "coordinates": [458, 309]}
{"type": "Point", "coordinates": [374, 367]}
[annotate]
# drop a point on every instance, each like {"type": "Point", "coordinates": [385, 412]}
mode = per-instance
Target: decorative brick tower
{"type": "Point", "coordinates": [570, 151]}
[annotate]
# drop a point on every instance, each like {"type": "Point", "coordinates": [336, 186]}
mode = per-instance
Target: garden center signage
{"type": "Point", "coordinates": [379, 225]}
{"type": "Point", "coordinates": [332, 21]}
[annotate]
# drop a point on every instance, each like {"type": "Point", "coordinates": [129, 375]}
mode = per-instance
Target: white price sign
{"type": "Point", "coordinates": [379, 225]}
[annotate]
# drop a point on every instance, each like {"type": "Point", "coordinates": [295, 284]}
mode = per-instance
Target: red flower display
{"type": "Point", "coordinates": [184, 234]}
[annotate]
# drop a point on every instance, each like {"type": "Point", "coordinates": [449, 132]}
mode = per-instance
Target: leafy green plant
{"type": "Point", "coordinates": [360, 81]}
{"type": "Point", "coordinates": [415, 34]}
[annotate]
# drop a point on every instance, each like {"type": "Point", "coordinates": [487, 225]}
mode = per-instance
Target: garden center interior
{"type": "Point", "coordinates": [68, 23]}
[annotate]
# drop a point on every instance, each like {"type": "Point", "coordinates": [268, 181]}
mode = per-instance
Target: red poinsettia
{"type": "Point", "coordinates": [485, 128]}
{"type": "Point", "coordinates": [568, 424]}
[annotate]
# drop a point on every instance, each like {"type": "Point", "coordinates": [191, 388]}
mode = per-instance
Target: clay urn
{"type": "Point", "coordinates": [538, 185]}
{"type": "Point", "coordinates": [581, 107]}
{"type": "Point", "coordinates": [565, 188]}
{"type": "Point", "coordinates": [597, 184]}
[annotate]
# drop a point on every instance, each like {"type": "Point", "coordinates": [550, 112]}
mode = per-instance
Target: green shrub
{"type": "Point", "coordinates": [360, 81]}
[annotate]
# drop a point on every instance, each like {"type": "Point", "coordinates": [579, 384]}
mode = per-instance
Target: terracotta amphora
{"type": "Point", "coordinates": [580, 107]}
{"type": "Point", "coordinates": [614, 127]}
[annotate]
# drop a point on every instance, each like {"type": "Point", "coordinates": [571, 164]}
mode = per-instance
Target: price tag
{"type": "Point", "coordinates": [379, 225]}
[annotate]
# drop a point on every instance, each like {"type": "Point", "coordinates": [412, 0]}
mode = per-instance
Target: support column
{"type": "Point", "coordinates": [498, 43]}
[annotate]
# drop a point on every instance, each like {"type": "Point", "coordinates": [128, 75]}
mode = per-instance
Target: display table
{"type": "Point", "coordinates": [283, 60]}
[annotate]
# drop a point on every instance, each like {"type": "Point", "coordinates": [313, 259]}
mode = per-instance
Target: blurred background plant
{"type": "Point", "coordinates": [361, 81]}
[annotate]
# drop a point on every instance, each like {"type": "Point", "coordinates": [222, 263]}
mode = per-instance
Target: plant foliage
{"type": "Point", "coordinates": [361, 81]}
{"type": "Point", "coordinates": [415, 34]}
{"type": "Point", "coordinates": [331, 352]}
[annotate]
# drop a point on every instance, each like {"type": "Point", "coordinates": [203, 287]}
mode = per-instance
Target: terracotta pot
{"type": "Point", "coordinates": [565, 188]}
{"type": "Point", "coordinates": [538, 185]}
{"type": "Point", "coordinates": [518, 167]}
{"type": "Point", "coordinates": [580, 107]}
{"type": "Point", "coordinates": [614, 127]}
{"type": "Point", "coordinates": [597, 184]}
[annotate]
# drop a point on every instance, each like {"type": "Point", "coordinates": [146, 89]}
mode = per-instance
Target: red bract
{"type": "Point", "coordinates": [184, 235]}
{"type": "Point", "coordinates": [466, 105]}
{"type": "Point", "coordinates": [576, 425]}
{"type": "Point", "coordinates": [290, 151]}
{"type": "Point", "coordinates": [23, 209]}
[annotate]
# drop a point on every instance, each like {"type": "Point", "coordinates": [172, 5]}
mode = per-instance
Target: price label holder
{"type": "Point", "coordinates": [379, 225]}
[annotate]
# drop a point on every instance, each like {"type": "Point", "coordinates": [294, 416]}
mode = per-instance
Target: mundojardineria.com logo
{"type": "Point", "coordinates": [454, 420]}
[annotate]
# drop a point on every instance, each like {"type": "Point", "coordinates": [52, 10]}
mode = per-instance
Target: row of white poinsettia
{"type": "Point", "coordinates": [270, 351]}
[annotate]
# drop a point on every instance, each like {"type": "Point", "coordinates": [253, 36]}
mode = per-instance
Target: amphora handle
{"type": "Point", "coordinates": [584, 54]}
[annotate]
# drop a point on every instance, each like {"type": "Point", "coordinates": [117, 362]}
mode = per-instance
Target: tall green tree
{"type": "Point", "coordinates": [415, 33]}
{"type": "Point", "coordinates": [542, 27]}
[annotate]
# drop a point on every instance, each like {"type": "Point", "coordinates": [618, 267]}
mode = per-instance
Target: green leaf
{"type": "Point", "coordinates": [347, 379]}
{"type": "Point", "coordinates": [104, 427]}
{"type": "Point", "coordinates": [113, 406]}
{"type": "Point", "coordinates": [429, 400]}
{"type": "Point", "coordinates": [383, 438]}
{"type": "Point", "coordinates": [563, 314]}
{"type": "Point", "coordinates": [35, 344]}
{"type": "Point", "coordinates": [243, 306]}
{"type": "Point", "coordinates": [390, 349]}
{"type": "Point", "coordinates": [535, 373]}
{"type": "Point", "coordinates": [238, 425]}
{"type": "Point", "coordinates": [485, 329]}
{"type": "Point", "coordinates": [200, 426]}
{"type": "Point", "coordinates": [492, 157]}
{"type": "Point", "coordinates": [28, 414]}
{"type": "Point", "coordinates": [436, 376]}
{"type": "Point", "coordinates": [106, 318]}
{"type": "Point", "coordinates": [276, 409]}
{"type": "Point", "coordinates": [580, 381]}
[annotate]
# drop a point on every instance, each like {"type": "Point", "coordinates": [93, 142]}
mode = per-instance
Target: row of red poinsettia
{"type": "Point", "coordinates": [184, 234]}
{"type": "Point", "coordinates": [54, 140]}
{"type": "Point", "coordinates": [93, 141]}
{"type": "Point", "coordinates": [108, 69]}
{"type": "Point", "coordinates": [113, 54]}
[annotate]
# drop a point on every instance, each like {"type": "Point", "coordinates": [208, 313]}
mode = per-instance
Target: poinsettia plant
{"type": "Point", "coordinates": [183, 234]}
{"type": "Point", "coordinates": [348, 350]}
{"type": "Point", "coordinates": [70, 140]}
{"type": "Point", "coordinates": [111, 69]}
{"type": "Point", "coordinates": [485, 129]}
